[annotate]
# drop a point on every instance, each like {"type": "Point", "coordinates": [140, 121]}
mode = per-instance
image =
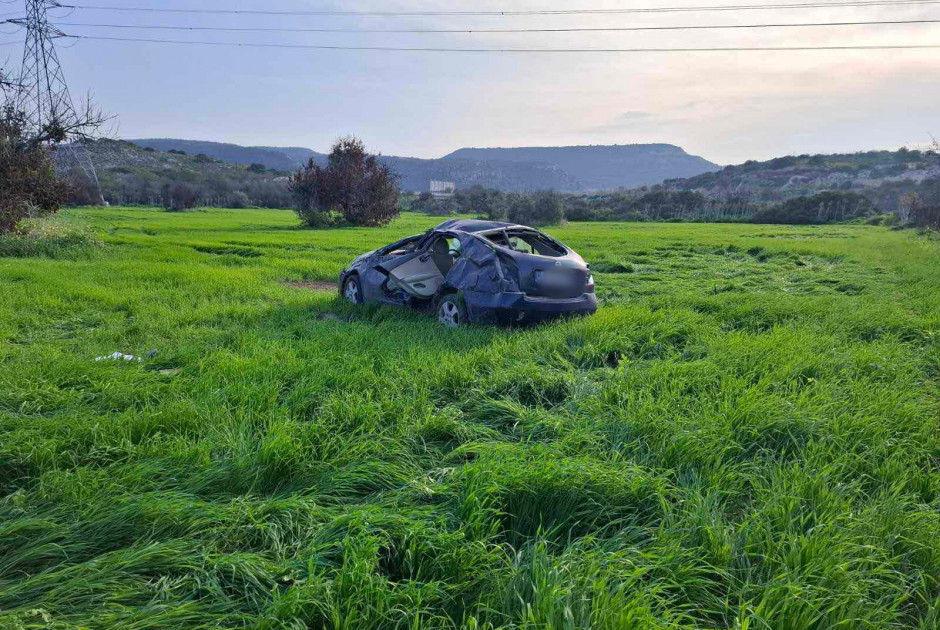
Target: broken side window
{"type": "Point", "coordinates": [499, 238]}
{"type": "Point", "coordinates": [402, 247]}
{"type": "Point", "coordinates": [527, 242]}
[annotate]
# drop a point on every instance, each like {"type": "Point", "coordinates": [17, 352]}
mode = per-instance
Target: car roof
{"type": "Point", "coordinates": [474, 225]}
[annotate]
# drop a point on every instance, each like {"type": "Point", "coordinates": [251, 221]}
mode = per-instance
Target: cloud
{"type": "Point", "coordinates": [634, 119]}
{"type": "Point", "coordinates": [629, 117]}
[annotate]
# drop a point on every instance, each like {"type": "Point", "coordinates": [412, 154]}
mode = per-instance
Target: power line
{"type": "Point", "coordinates": [512, 50]}
{"type": "Point", "coordinates": [733, 7]}
{"type": "Point", "coordinates": [253, 29]}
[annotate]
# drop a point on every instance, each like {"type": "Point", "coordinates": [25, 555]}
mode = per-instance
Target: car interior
{"type": "Point", "coordinates": [526, 242]}
{"type": "Point", "coordinates": [423, 275]}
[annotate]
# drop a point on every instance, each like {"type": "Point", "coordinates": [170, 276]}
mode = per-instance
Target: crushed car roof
{"type": "Point", "coordinates": [473, 225]}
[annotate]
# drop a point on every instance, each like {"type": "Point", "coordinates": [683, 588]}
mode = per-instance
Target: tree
{"type": "Point", "coordinates": [179, 197]}
{"type": "Point", "coordinates": [353, 188]}
{"type": "Point", "coordinates": [549, 209]}
{"type": "Point", "coordinates": [28, 183]}
{"type": "Point", "coordinates": [489, 203]}
{"type": "Point", "coordinates": [520, 208]}
{"type": "Point", "coordinates": [29, 186]}
{"type": "Point", "coordinates": [238, 199]}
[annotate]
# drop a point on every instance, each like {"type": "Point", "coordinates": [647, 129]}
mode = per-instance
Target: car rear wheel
{"type": "Point", "coordinates": [451, 311]}
{"type": "Point", "coordinates": [352, 290]}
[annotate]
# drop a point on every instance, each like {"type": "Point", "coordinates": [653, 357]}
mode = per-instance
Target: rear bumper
{"type": "Point", "coordinates": [519, 308]}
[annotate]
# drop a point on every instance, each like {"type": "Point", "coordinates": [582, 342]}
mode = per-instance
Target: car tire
{"type": "Point", "coordinates": [451, 311]}
{"type": "Point", "coordinates": [352, 290]}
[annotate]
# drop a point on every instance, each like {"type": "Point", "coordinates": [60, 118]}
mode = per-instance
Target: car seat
{"type": "Point", "coordinates": [442, 258]}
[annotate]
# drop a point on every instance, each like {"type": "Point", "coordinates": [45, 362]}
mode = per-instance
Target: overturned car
{"type": "Point", "coordinates": [480, 272]}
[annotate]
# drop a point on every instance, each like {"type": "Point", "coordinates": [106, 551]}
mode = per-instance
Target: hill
{"type": "Point", "coordinates": [133, 175]}
{"type": "Point", "coordinates": [603, 167]}
{"type": "Point", "coordinates": [130, 174]}
{"type": "Point", "coordinates": [275, 159]}
{"type": "Point", "coordinates": [567, 169]}
{"type": "Point", "coordinates": [883, 176]}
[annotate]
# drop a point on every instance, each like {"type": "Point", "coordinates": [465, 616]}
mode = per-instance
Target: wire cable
{"type": "Point", "coordinates": [512, 50]}
{"type": "Point", "coordinates": [255, 29]}
{"type": "Point", "coordinates": [733, 7]}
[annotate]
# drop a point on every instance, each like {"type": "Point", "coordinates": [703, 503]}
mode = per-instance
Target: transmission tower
{"type": "Point", "coordinates": [43, 94]}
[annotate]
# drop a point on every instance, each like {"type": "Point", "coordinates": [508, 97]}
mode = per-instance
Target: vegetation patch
{"type": "Point", "coordinates": [534, 492]}
{"type": "Point", "coordinates": [727, 443]}
{"type": "Point", "coordinates": [48, 238]}
{"type": "Point", "coordinates": [613, 267]}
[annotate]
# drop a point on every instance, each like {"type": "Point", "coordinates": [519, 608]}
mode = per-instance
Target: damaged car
{"type": "Point", "coordinates": [473, 271]}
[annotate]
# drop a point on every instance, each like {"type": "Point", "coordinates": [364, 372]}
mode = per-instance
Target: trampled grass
{"type": "Point", "coordinates": [745, 436]}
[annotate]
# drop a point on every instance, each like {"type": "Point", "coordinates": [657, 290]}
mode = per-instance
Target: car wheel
{"type": "Point", "coordinates": [451, 311]}
{"type": "Point", "coordinates": [352, 290]}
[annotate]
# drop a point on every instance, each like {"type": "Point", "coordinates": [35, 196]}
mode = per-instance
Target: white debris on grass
{"type": "Point", "coordinates": [119, 356]}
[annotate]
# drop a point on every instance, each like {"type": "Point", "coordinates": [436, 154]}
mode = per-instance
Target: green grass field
{"type": "Point", "coordinates": [745, 436]}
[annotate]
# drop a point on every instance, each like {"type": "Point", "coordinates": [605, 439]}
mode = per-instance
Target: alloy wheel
{"type": "Point", "coordinates": [352, 291]}
{"type": "Point", "coordinates": [448, 314]}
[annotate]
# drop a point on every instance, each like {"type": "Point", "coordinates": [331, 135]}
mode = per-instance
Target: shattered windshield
{"type": "Point", "coordinates": [527, 242]}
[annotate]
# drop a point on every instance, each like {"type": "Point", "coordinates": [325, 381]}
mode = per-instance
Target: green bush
{"type": "Point", "coordinates": [542, 208]}
{"type": "Point", "coordinates": [180, 196]}
{"type": "Point", "coordinates": [353, 188]}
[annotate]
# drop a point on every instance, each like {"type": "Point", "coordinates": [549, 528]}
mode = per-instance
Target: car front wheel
{"type": "Point", "coordinates": [352, 290]}
{"type": "Point", "coordinates": [451, 311]}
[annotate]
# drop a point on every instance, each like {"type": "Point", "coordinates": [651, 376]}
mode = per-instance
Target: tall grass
{"type": "Point", "coordinates": [745, 436]}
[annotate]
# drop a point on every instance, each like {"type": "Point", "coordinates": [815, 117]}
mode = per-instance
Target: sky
{"type": "Point", "coordinates": [725, 106]}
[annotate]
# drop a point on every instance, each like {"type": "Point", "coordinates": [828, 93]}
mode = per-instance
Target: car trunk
{"type": "Point", "coordinates": [542, 276]}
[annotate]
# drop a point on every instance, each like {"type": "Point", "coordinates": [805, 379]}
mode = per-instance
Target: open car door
{"type": "Point", "coordinates": [422, 273]}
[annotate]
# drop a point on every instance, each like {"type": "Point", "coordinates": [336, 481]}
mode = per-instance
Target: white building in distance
{"type": "Point", "coordinates": [442, 190]}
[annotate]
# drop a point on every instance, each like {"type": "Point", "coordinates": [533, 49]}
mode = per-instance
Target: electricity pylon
{"type": "Point", "coordinates": [43, 95]}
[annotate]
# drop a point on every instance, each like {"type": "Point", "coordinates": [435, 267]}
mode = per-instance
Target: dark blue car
{"type": "Point", "coordinates": [482, 272]}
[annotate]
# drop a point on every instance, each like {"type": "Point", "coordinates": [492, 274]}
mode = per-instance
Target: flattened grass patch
{"type": "Point", "coordinates": [229, 250]}
{"type": "Point", "coordinates": [322, 287]}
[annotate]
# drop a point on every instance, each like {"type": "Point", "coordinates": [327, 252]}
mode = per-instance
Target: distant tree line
{"type": "Point", "coordinates": [826, 207]}
{"type": "Point", "coordinates": [181, 189]}
{"type": "Point", "coordinates": [550, 208]}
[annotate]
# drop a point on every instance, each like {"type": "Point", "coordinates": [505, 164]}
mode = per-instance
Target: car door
{"type": "Point", "coordinates": [417, 274]}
